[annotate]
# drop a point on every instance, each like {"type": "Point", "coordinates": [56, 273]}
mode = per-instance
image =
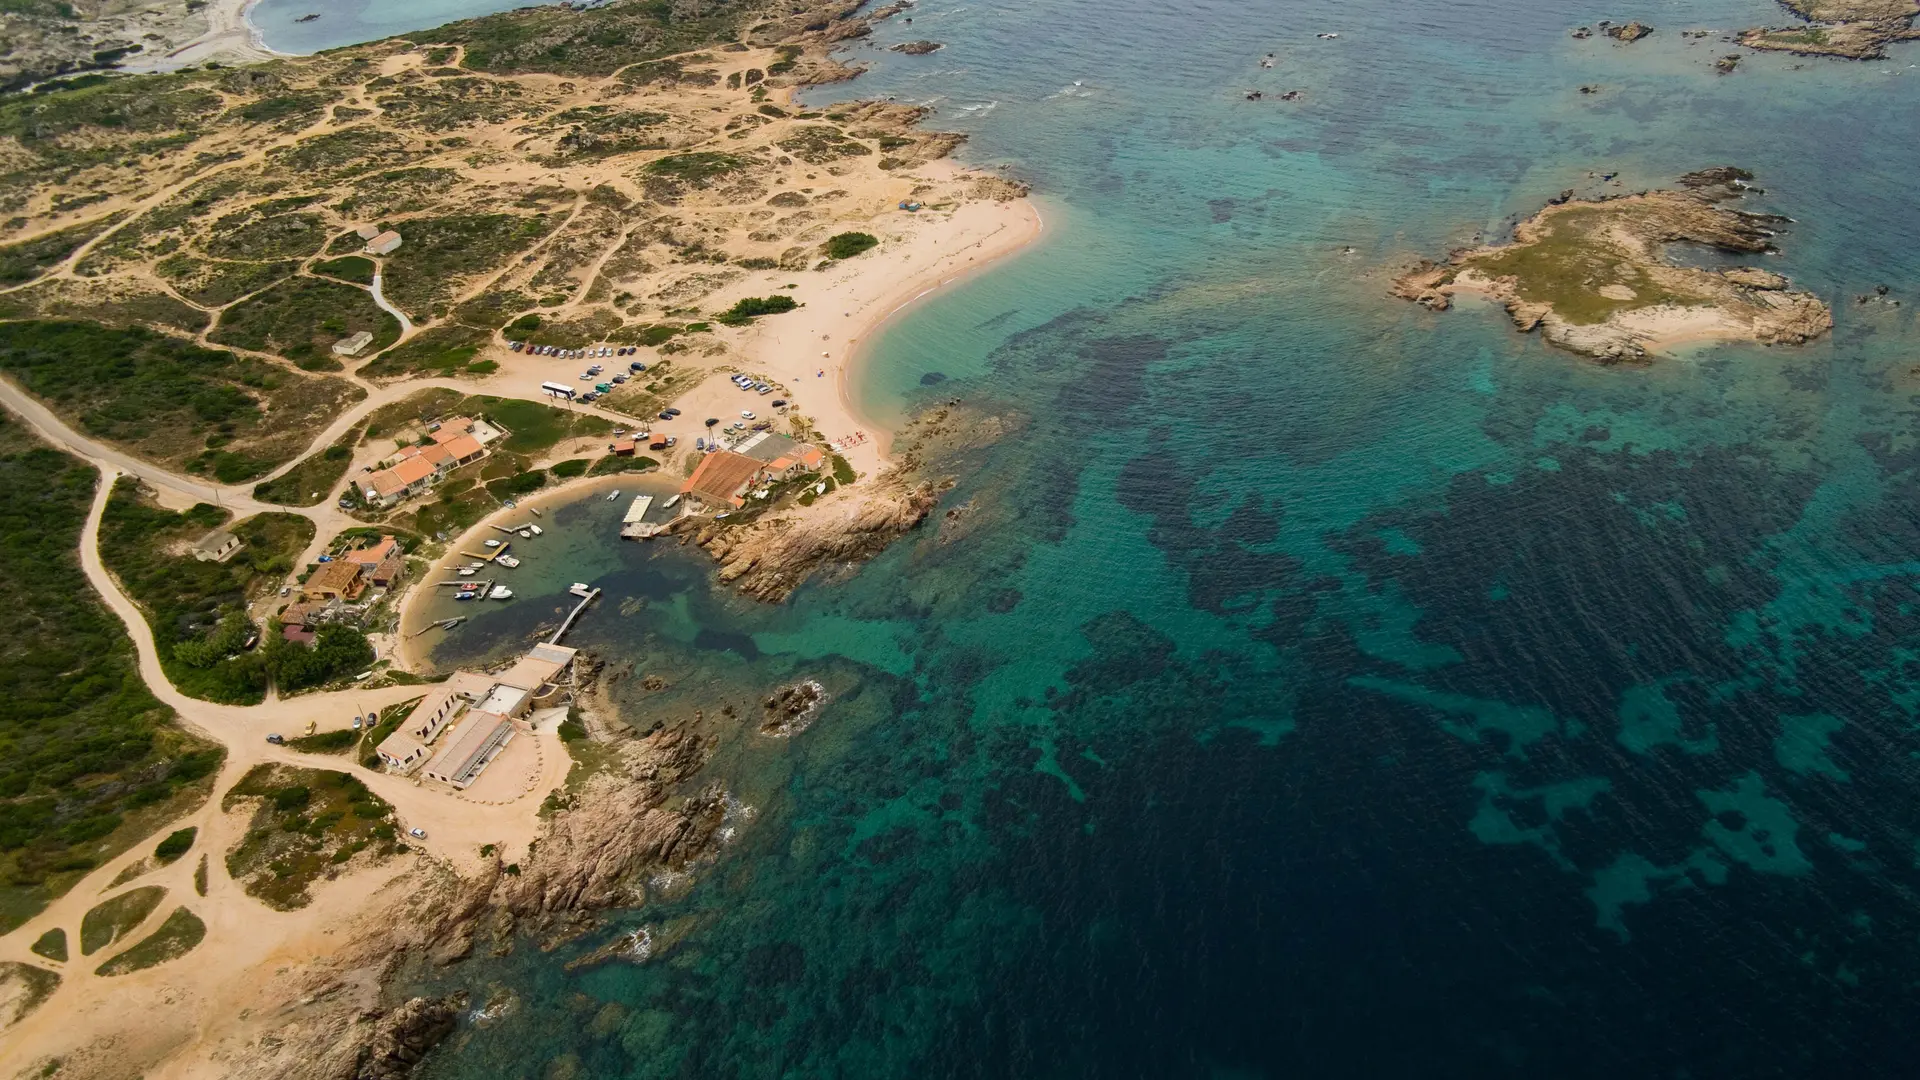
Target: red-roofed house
{"type": "Point", "coordinates": [722, 480]}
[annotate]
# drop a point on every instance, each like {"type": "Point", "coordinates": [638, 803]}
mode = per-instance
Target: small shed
{"type": "Point", "coordinates": [351, 346]}
{"type": "Point", "coordinates": [216, 546]}
{"type": "Point", "coordinates": [385, 244]}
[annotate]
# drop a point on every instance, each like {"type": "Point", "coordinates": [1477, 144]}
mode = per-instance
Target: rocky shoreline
{"type": "Point", "coordinates": [1591, 274]}
{"type": "Point", "coordinates": [1849, 29]}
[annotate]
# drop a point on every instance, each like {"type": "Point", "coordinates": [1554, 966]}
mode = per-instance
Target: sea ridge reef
{"type": "Point", "coordinates": [1595, 278]}
{"type": "Point", "coordinates": [1852, 29]}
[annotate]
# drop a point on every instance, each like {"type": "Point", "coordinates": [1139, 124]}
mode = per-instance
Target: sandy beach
{"type": "Point", "coordinates": [229, 37]}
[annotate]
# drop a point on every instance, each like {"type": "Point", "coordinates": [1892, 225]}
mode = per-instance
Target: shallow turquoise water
{"type": "Point", "coordinates": [350, 22]}
{"type": "Point", "coordinates": [1319, 686]}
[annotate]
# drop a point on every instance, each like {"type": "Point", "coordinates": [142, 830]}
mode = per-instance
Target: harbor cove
{"type": "Point", "coordinates": [1336, 540]}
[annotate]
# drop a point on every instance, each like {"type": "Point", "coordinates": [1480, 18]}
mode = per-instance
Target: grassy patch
{"type": "Point", "coordinates": [439, 350]}
{"type": "Point", "coordinates": [258, 233]}
{"type": "Point", "coordinates": [570, 468]}
{"type": "Point", "coordinates": [52, 945]}
{"type": "Point", "coordinates": [89, 759]}
{"type": "Point", "coordinates": [309, 823]}
{"type": "Point", "coordinates": [202, 410]}
{"type": "Point", "coordinates": [326, 742]}
{"type": "Point", "coordinates": [611, 464]}
{"type": "Point", "coordinates": [198, 609]}
{"type": "Point", "coordinates": [215, 283]}
{"type": "Point", "coordinates": [698, 169]}
{"type": "Point", "coordinates": [115, 303]}
{"type": "Point", "coordinates": [822, 144]}
{"type": "Point", "coordinates": [748, 308]}
{"type": "Point", "coordinates": [1568, 266]}
{"type": "Point", "coordinates": [23, 987]}
{"type": "Point", "coordinates": [309, 482]}
{"type": "Point", "coordinates": [177, 843]}
{"type": "Point", "coordinates": [525, 483]}
{"type": "Point", "coordinates": [842, 471]}
{"type": "Point", "coordinates": [29, 259]}
{"type": "Point", "coordinates": [113, 919]}
{"type": "Point", "coordinates": [357, 269]}
{"type": "Point", "coordinates": [437, 252]}
{"type": "Point", "coordinates": [174, 938]}
{"type": "Point", "coordinates": [533, 428]}
{"type": "Point", "coordinates": [596, 42]}
{"type": "Point", "coordinates": [301, 319]}
{"type": "Point", "coordinates": [848, 244]}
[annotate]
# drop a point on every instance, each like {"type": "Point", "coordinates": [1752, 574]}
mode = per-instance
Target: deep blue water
{"type": "Point", "coordinates": [1319, 686]}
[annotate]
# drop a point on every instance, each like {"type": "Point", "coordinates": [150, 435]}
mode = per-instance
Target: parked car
{"type": "Point", "coordinates": [777, 402]}
{"type": "Point", "coordinates": [746, 414]}
{"type": "Point", "coordinates": [665, 415]}
{"type": "Point", "coordinates": [276, 740]}
{"type": "Point", "coordinates": [673, 410]}
{"type": "Point", "coordinates": [417, 834]}
{"type": "Point", "coordinates": [619, 378]}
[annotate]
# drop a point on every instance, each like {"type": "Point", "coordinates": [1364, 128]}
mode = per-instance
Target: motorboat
{"type": "Point", "coordinates": [508, 561]}
{"type": "Point", "coordinates": [491, 543]}
{"type": "Point", "coordinates": [614, 495]}
{"type": "Point", "coordinates": [466, 571]}
{"type": "Point", "coordinates": [525, 534]}
{"type": "Point", "coordinates": [669, 504]}
{"type": "Point", "coordinates": [500, 592]}
{"type": "Point", "coordinates": [534, 529]}
{"type": "Point", "coordinates": [580, 588]}
{"type": "Point", "coordinates": [466, 594]}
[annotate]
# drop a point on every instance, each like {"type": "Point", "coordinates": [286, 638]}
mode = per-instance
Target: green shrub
{"type": "Point", "coordinates": [570, 468]}
{"type": "Point", "coordinates": [748, 308]}
{"type": "Point", "coordinates": [175, 845]}
{"type": "Point", "coordinates": [848, 244]}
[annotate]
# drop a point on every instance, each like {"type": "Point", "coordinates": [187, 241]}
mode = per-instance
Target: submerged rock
{"type": "Point", "coordinates": [1629, 33]}
{"type": "Point", "coordinates": [917, 48]}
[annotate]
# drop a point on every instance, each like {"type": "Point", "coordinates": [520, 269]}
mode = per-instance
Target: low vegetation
{"type": "Point", "coordinates": [89, 760]}
{"type": "Point", "coordinates": [23, 987]}
{"type": "Point", "coordinates": [302, 318]}
{"type": "Point", "coordinates": [437, 350]}
{"type": "Point", "coordinates": [52, 945]}
{"type": "Point", "coordinates": [115, 918]}
{"type": "Point", "coordinates": [749, 308]}
{"type": "Point", "coordinates": [177, 843]}
{"type": "Point", "coordinates": [198, 609]}
{"type": "Point", "coordinates": [307, 825]}
{"type": "Point", "coordinates": [309, 482]}
{"type": "Point", "coordinates": [848, 244]}
{"type": "Point", "coordinates": [197, 409]}
{"type": "Point", "coordinates": [354, 268]}
{"type": "Point", "coordinates": [173, 939]}
{"type": "Point", "coordinates": [439, 252]}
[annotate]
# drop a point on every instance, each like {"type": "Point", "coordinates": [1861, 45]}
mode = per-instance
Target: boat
{"type": "Point", "coordinates": [491, 543]}
{"type": "Point", "coordinates": [466, 571]}
{"type": "Point", "coordinates": [525, 534]}
{"type": "Point", "coordinates": [508, 561]}
{"type": "Point", "coordinates": [535, 511]}
{"type": "Point", "coordinates": [668, 505]}
{"type": "Point", "coordinates": [534, 529]}
{"type": "Point", "coordinates": [500, 592]}
{"type": "Point", "coordinates": [615, 495]}
{"type": "Point", "coordinates": [580, 588]}
{"type": "Point", "coordinates": [465, 594]}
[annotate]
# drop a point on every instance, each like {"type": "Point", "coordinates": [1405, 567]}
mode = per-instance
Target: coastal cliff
{"type": "Point", "coordinates": [1593, 275]}
{"type": "Point", "coordinates": [773, 556]}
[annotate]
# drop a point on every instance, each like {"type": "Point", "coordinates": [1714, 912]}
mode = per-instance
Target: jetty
{"type": "Point", "coordinates": [441, 624]}
{"type": "Point", "coordinates": [488, 556]}
{"type": "Point", "coordinates": [633, 526]}
{"type": "Point", "coordinates": [567, 624]}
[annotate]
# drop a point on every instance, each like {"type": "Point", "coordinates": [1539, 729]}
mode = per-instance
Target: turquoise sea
{"type": "Point", "coordinates": [1317, 686]}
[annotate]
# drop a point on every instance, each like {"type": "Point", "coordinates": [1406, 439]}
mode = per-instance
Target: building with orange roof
{"type": "Point", "coordinates": [340, 580]}
{"type": "Point", "coordinates": [722, 480]}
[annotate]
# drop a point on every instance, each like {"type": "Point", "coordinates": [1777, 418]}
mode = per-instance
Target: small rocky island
{"type": "Point", "coordinates": [917, 48]}
{"type": "Point", "coordinates": [1854, 29]}
{"type": "Point", "coordinates": [1594, 275]}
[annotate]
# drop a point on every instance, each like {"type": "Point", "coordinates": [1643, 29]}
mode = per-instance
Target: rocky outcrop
{"type": "Point", "coordinates": [1593, 277]}
{"type": "Point", "coordinates": [771, 557]}
{"type": "Point", "coordinates": [1850, 29]}
{"type": "Point", "coordinates": [402, 1037]}
{"type": "Point", "coordinates": [917, 48]}
{"type": "Point", "coordinates": [1629, 33]}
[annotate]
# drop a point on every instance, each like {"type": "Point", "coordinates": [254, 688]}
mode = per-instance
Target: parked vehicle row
{"type": "Point", "coordinates": [573, 354]}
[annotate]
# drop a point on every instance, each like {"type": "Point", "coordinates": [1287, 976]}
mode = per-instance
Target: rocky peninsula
{"type": "Point", "coordinates": [1852, 29]}
{"type": "Point", "coordinates": [1595, 278]}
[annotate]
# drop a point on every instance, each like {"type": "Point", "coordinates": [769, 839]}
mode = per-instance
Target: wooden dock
{"type": "Point", "coordinates": [567, 625]}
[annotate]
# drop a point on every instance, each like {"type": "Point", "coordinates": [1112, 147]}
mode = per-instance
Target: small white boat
{"type": "Point", "coordinates": [500, 592]}
{"type": "Point", "coordinates": [466, 571]}
{"type": "Point", "coordinates": [508, 561]}
{"type": "Point", "coordinates": [534, 529]}
{"type": "Point", "coordinates": [615, 495]}
{"type": "Point", "coordinates": [491, 543]}
{"type": "Point", "coordinates": [525, 534]}
{"type": "Point", "coordinates": [668, 505]}
{"type": "Point", "coordinates": [535, 511]}
{"type": "Point", "coordinates": [580, 588]}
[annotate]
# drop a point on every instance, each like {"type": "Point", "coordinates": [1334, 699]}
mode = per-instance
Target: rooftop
{"type": "Point", "coordinates": [504, 700]}
{"type": "Point", "coordinates": [721, 476]}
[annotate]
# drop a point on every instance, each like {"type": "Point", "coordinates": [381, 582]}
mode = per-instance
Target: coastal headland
{"type": "Point", "coordinates": [1594, 277]}
{"type": "Point", "coordinates": [1851, 29]}
{"type": "Point", "coordinates": [438, 215]}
